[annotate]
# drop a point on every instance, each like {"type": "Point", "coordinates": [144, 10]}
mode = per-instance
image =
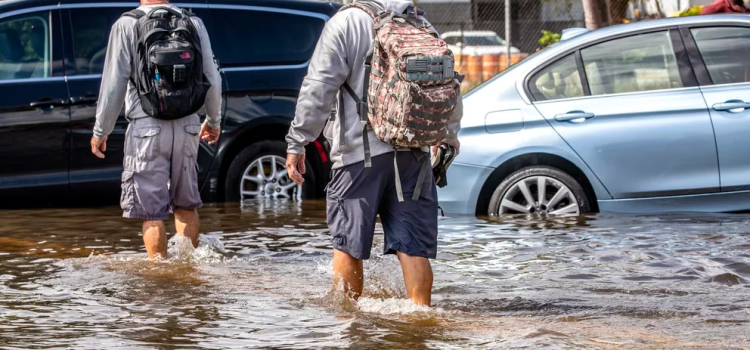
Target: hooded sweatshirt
{"type": "Point", "coordinates": [117, 89]}
{"type": "Point", "coordinates": [340, 57]}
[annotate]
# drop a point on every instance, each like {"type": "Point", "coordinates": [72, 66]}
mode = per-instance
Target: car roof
{"type": "Point", "coordinates": [470, 33]}
{"type": "Point", "coordinates": [620, 29]}
{"type": "Point", "coordinates": [635, 27]}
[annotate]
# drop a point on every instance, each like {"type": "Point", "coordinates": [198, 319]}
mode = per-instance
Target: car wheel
{"type": "Point", "coordinates": [539, 190]}
{"type": "Point", "coordinates": [259, 171]}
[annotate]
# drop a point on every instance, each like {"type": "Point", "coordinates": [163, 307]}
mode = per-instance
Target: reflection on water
{"type": "Point", "coordinates": [260, 278]}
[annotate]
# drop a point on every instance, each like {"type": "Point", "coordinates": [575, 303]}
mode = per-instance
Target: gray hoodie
{"type": "Point", "coordinates": [116, 84]}
{"type": "Point", "coordinates": [341, 50]}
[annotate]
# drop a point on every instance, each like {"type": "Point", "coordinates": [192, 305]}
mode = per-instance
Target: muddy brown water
{"type": "Point", "coordinates": [77, 279]}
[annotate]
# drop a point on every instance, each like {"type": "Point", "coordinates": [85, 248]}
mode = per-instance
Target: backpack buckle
{"type": "Point", "coordinates": [448, 69]}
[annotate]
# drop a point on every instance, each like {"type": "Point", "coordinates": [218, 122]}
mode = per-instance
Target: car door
{"type": "Point", "coordinates": [632, 111]}
{"type": "Point", "coordinates": [34, 113]}
{"type": "Point", "coordinates": [86, 36]}
{"type": "Point", "coordinates": [724, 52]}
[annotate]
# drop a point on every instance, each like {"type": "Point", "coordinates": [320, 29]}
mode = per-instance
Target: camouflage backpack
{"type": "Point", "coordinates": [410, 89]}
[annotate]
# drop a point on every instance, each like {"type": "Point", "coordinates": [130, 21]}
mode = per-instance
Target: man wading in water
{"type": "Point", "coordinates": [365, 181]}
{"type": "Point", "coordinates": [159, 64]}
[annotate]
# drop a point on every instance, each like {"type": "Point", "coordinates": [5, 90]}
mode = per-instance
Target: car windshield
{"type": "Point", "coordinates": [489, 40]}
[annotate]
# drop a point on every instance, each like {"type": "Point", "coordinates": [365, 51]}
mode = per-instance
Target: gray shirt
{"type": "Point", "coordinates": [338, 57]}
{"type": "Point", "coordinates": [117, 89]}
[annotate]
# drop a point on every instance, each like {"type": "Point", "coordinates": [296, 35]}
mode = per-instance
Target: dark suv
{"type": "Point", "coordinates": [51, 59]}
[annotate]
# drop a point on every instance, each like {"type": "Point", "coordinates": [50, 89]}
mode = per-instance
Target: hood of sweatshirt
{"type": "Point", "coordinates": [397, 6]}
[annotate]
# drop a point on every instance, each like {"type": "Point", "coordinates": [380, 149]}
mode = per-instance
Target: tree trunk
{"type": "Point", "coordinates": [591, 14]}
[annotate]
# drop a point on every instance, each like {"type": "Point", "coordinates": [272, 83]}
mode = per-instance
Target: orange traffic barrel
{"type": "Point", "coordinates": [490, 65]}
{"type": "Point", "coordinates": [515, 58]}
{"type": "Point", "coordinates": [503, 62]}
{"type": "Point", "coordinates": [457, 62]}
{"type": "Point", "coordinates": [461, 63]}
{"type": "Point", "coordinates": [474, 68]}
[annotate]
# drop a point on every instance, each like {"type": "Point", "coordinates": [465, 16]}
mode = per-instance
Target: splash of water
{"type": "Point", "coordinates": [383, 291]}
{"type": "Point", "coordinates": [391, 306]}
{"type": "Point", "coordinates": [210, 249]}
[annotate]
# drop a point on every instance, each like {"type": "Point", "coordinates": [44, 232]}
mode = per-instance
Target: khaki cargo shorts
{"type": "Point", "coordinates": [160, 169]}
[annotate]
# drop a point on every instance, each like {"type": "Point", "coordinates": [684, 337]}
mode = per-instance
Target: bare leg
{"type": "Point", "coordinates": [349, 269]}
{"type": "Point", "coordinates": [155, 239]}
{"type": "Point", "coordinates": [187, 224]}
{"type": "Point", "coordinates": [417, 277]}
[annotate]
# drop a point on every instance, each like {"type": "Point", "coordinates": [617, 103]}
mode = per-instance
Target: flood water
{"type": "Point", "coordinates": [78, 279]}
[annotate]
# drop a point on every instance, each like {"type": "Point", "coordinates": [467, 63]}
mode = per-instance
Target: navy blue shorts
{"type": "Point", "coordinates": [356, 195]}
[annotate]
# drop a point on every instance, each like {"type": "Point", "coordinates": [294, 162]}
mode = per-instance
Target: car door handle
{"type": "Point", "coordinates": [88, 99]}
{"type": "Point", "coordinates": [731, 106]}
{"type": "Point", "coordinates": [47, 103]}
{"type": "Point", "coordinates": [574, 116]}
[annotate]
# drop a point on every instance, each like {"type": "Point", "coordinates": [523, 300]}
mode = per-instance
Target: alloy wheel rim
{"type": "Point", "coordinates": [267, 177]}
{"type": "Point", "coordinates": [539, 195]}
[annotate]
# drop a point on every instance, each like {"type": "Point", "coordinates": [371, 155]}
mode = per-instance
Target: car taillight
{"type": "Point", "coordinates": [321, 151]}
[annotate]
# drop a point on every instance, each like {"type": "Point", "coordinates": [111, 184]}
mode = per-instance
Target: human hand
{"type": "Point", "coordinates": [209, 134]}
{"type": "Point", "coordinates": [295, 167]}
{"type": "Point", "coordinates": [98, 146]}
{"type": "Point", "coordinates": [455, 144]}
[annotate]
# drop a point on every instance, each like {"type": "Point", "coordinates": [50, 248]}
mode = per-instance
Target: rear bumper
{"type": "Point", "coordinates": [465, 183]}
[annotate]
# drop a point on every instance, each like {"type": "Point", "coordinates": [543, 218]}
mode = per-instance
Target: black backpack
{"type": "Point", "coordinates": [168, 63]}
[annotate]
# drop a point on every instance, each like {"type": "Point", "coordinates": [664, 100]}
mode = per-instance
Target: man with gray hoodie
{"type": "Point", "coordinates": [357, 194]}
{"type": "Point", "coordinates": [159, 167]}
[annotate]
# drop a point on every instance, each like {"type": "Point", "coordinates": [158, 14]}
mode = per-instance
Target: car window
{"type": "Point", "coordinates": [637, 63]}
{"type": "Point", "coordinates": [25, 46]}
{"type": "Point", "coordinates": [474, 40]}
{"type": "Point", "coordinates": [452, 40]}
{"type": "Point", "coordinates": [244, 37]}
{"type": "Point", "coordinates": [483, 40]}
{"type": "Point", "coordinates": [557, 81]}
{"type": "Point", "coordinates": [90, 29]}
{"type": "Point", "coordinates": [725, 52]}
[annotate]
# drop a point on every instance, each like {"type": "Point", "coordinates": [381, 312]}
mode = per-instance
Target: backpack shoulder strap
{"type": "Point", "coordinates": [362, 108]}
{"type": "Point", "coordinates": [137, 14]}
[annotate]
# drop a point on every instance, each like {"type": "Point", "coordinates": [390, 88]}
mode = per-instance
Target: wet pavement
{"type": "Point", "coordinates": [77, 278]}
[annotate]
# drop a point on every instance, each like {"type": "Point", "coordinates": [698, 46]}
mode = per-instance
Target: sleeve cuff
{"type": "Point", "coordinates": [214, 125]}
{"type": "Point", "coordinates": [295, 149]}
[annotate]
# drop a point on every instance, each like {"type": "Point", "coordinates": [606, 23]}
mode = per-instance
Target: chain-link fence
{"type": "Point", "coordinates": [478, 30]}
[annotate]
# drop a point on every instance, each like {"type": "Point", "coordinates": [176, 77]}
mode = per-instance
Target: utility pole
{"type": "Point", "coordinates": [507, 33]}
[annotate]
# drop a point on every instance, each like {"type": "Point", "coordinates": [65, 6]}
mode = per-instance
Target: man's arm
{"type": "Point", "coordinates": [213, 98]}
{"type": "Point", "coordinates": [329, 69]}
{"type": "Point", "coordinates": [115, 79]}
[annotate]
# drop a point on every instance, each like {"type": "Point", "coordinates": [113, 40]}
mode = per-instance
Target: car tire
{"type": "Point", "coordinates": [264, 151]}
{"type": "Point", "coordinates": [511, 198]}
